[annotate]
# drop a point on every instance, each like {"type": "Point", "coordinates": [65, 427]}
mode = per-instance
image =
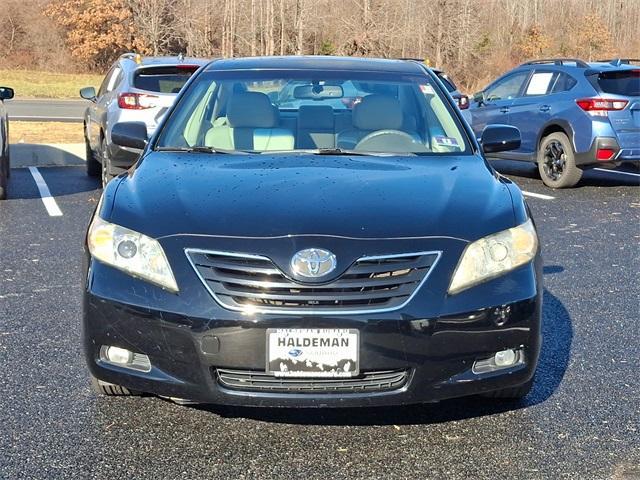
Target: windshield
{"type": "Point", "coordinates": [272, 111]}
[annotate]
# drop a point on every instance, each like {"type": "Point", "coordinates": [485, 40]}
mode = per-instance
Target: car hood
{"type": "Point", "coordinates": [278, 195]}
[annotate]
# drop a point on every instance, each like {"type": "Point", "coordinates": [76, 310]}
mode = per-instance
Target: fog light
{"type": "Point", "coordinates": [500, 360]}
{"type": "Point", "coordinates": [505, 358]}
{"type": "Point", "coordinates": [125, 358]}
{"type": "Point", "coordinates": [119, 355]}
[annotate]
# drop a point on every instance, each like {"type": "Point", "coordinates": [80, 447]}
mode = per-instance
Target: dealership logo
{"type": "Point", "coordinates": [313, 263]}
{"type": "Point", "coordinates": [296, 352]}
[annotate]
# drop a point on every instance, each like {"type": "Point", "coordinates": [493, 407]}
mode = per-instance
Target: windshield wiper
{"type": "Point", "coordinates": [337, 152]}
{"type": "Point", "coordinates": [200, 149]}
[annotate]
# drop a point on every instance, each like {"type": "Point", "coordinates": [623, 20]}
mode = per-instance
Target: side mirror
{"type": "Point", "coordinates": [500, 138]}
{"type": "Point", "coordinates": [6, 93]}
{"type": "Point", "coordinates": [88, 93]}
{"type": "Point", "coordinates": [478, 97]}
{"type": "Point", "coordinates": [273, 96]}
{"type": "Point", "coordinates": [130, 134]}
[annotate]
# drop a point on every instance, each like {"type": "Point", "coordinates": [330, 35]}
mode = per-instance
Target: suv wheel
{"type": "Point", "coordinates": [106, 163]}
{"type": "Point", "coordinates": [557, 162]}
{"type": "Point", "coordinates": [111, 389]}
{"type": "Point", "coordinates": [93, 165]}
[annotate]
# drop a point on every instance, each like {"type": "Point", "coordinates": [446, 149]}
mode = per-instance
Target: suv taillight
{"type": "Point", "coordinates": [463, 102]}
{"type": "Point", "coordinates": [136, 101]}
{"type": "Point", "coordinates": [600, 106]}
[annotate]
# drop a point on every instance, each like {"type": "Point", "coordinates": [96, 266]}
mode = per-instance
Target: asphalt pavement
{"type": "Point", "coordinates": [581, 421]}
{"type": "Point", "coordinates": [46, 110]}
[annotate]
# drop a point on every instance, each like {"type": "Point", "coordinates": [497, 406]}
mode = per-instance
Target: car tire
{"type": "Point", "coordinates": [511, 393]}
{"type": "Point", "coordinates": [111, 390]}
{"type": "Point", "coordinates": [557, 162]}
{"type": "Point", "coordinates": [93, 165]}
{"type": "Point", "coordinates": [105, 164]}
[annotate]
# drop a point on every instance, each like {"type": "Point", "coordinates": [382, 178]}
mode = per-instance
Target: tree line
{"type": "Point", "coordinates": [473, 40]}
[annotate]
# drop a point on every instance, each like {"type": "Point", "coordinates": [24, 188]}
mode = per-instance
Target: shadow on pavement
{"type": "Point", "coordinates": [61, 181]}
{"type": "Point", "coordinates": [40, 155]}
{"type": "Point", "coordinates": [557, 334]}
{"type": "Point", "coordinates": [590, 178]}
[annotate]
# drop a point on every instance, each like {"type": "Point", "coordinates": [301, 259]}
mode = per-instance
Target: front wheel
{"type": "Point", "coordinates": [512, 393]}
{"type": "Point", "coordinates": [93, 165]}
{"type": "Point", "coordinates": [4, 177]}
{"type": "Point", "coordinates": [557, 162]}
{"type": "Point", "coordinates": [111, 389]}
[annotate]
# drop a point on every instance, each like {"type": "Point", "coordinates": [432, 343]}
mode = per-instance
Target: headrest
{"type": "Point", "coordinates": [315, 116]}
{"type": "Point", "coordinates": [377, 112]}
{"type": "Point", "coordinates": [252, 110]}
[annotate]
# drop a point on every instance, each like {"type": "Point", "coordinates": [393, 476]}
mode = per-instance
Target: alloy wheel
{"type": "Point", "coordinates": [555, 160]}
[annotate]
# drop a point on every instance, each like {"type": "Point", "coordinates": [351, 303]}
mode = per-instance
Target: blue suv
{"type": "Point", "coordinates": [572, 115]}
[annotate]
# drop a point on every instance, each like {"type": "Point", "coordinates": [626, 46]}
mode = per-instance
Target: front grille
{"type": "Point", "coordinates": [254, 381]}
{"type": "Point", "coordinates": [253, 283]}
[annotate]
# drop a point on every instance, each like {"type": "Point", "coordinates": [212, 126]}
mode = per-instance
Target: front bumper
{"type": "Point", "coordinates": [435, 338]}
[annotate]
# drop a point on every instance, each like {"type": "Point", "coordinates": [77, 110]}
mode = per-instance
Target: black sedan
{"type": "Point", "coordinates": [6, 93]}
{"type": "Point", "coordinates": [313, 254]}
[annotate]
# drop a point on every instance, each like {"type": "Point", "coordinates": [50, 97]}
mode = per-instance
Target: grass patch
{"type": "Point", "coordinates": [34, 84]}
{"type": "Point", "coordinates": [45, 132]}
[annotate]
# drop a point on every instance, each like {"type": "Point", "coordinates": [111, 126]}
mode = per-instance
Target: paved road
{"type": "Point", "coordinates": [581, 420]}
{"type": "Point", "coordinates": [41, 110]}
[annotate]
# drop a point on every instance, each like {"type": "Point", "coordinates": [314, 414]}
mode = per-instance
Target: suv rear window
{"type": "Point", "coordinates": [620, 82]}
{"type": "Point", "coordinates": [163, 79]}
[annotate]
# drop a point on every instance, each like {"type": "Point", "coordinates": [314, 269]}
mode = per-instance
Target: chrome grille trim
{"type": "Point", "coordinates": [259, 381]}
{"type": "Point", "coordinates": [249, 265]}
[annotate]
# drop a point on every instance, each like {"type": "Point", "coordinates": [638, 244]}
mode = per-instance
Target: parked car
{"type": "Point", "coordinates": [136, 88]}
{"type": "Point", "coordinates": [572, 115]}
{"type": "Point", "coordinates": [461, 99]}
{"type": "Point", "coordinates": [271, 257]}
{"type": "Point", "coordinates": [6, 93]}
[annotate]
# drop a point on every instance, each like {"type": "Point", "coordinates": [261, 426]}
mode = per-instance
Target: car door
{"type": "Point", "coordinates": [531, 110]}
{"type": "Point", "coordinates": [98, 109]}
{"type": "Point", "coordinates": [498, 97]}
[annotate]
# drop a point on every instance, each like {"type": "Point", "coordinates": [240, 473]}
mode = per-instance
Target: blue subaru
{"type": "Point", "coordinates": [572, 115]}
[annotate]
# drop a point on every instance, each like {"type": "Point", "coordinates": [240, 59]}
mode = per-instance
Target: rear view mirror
{"type": "Point", "coordinates": [317, 92]}
{"type": "Point", "coordinates": [6, 93]}
{"type": "Point", "coordinates": [500, 138]}
{"type": "Point", "coordinates": [130, 134]}
{"type": "Point", "coordinates": [88, 93]}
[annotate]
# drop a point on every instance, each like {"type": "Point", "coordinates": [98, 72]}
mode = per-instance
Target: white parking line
{"type": "Point", "coordinates": [617, 171]}
{"type": "Point", "coordinates": [538, 195]}
{"type": "Point", "coordinates": [49, 202]}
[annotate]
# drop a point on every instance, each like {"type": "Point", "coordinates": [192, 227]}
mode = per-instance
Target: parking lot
{"type": "Point", "coordinates": [581, 420]}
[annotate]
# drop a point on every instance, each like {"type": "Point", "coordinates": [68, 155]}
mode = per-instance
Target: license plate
{"type": "Point", "coordinates": [312, 352]}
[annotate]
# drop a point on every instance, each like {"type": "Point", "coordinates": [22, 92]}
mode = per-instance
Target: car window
{"type": "Point", "coordinates": [262, 111]}
{"type": "Point", "coordinates": [164, 79]}
{"type": "Point", "coordinates": [507, 87]}
{"type": "Point", "coordinates": [447, 83]}
{"type": "Point", "coordinates": [564, 83]}
{"type": "Point", "coordinates": [105, 83]}
{"type": "Point", "coordinates": [620, 82]}
{"type": "Point", "coordinates": [113, 80]}
{"type": "Point", "coordinates": [541, 83]}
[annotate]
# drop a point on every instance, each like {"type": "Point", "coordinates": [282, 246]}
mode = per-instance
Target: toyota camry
{"type": "Point", "coordinates": [311, 232]}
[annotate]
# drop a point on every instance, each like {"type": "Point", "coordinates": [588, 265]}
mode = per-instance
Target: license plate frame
{"type": "Point", "coordinates": [302, 357]}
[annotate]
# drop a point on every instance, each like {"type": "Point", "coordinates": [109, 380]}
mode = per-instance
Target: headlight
{"type": "Point", "coordinates": [495, 255]}
{"type": "Point", "coordinates": [131, 252]}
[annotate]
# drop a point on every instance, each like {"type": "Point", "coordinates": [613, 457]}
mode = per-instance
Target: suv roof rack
{"type": "Point", "coordinates": [558, 61]}
{"type": "Point", "coordinates": [620, 61]}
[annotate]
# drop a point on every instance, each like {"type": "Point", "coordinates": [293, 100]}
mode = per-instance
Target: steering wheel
{"type": "Point", "coordinates": [389, 141]}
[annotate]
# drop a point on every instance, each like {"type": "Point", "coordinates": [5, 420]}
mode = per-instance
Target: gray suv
{"type": "Point", "coordinates": [136, 89]}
